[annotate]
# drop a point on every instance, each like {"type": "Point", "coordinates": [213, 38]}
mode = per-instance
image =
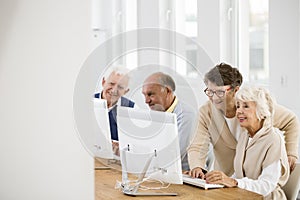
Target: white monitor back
{"type": "Point", "coordinates": [100, 142]}
{"type": "Point", "coordinates": [144, 132]}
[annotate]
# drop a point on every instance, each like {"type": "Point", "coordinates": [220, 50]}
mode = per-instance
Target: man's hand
{"type": "Point", "coordinates": [115, 147]}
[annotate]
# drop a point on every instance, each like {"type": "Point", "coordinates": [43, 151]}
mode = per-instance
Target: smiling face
{"type": "Point", "coordinates": [226, 103]}
{"type": "Point", "coordinates": [114, 87]}
{"type": "Point", "coordinates": [246, 114]}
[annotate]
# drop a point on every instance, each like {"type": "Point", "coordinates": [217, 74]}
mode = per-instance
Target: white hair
{"type": "Point", "coordinates": [263, 100]}
{"type": "Point", "coordinates": [120, 70]}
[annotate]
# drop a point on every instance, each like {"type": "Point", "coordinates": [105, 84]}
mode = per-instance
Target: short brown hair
{"type": "Point", "coordinates": [224, 74]}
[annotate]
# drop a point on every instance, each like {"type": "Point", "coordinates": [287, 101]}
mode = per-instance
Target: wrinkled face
{"type": "Point", "coordinates": [223, 96]}
{"type": "Point", "coordinates": [114, 87]}
{"type": "Point", "coordinates": [156, 96]}
{"type": "Point", "coordinates": [246, 114]}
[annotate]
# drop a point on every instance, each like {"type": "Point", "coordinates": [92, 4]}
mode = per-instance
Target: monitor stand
{"type": "Point", "coordinates": [133, 190]}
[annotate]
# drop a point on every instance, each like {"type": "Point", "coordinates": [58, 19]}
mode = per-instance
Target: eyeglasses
{"type": "Point", "coordinates": [219, 93]}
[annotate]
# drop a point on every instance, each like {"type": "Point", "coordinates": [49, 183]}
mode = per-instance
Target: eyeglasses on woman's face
{"type": "Point", "coordinates": [219, 93]}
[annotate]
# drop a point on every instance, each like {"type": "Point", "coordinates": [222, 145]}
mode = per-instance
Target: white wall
{"type": "Point", "coordinates": [284, 29]}
{"type": "Point", "coordinates": [284, 52]}
{"type": "Point", "coordinates": [42, 47]}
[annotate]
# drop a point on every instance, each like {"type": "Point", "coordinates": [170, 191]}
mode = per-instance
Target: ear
{"type": "Point", "coordinates": [236, 89]}
{"type": "Point", "coordinates": [169, 90]}
{"type": "Point", "coordinates": [262, 116]}
{"type": "Point", "coordinates": [103, 82]}
{"type": "Point", "coordinates": [126, 91]}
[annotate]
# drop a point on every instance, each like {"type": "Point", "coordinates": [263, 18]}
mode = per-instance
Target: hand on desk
{"type": "Point", "coordinates": [197, 172]}
{"type": "Point", "coordinates": [218, 177]}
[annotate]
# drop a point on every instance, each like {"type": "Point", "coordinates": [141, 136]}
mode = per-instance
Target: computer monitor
{"type": "Point", "coordinates": [149, 147]}
{"type": "Point", "coordinates": [101, 144]}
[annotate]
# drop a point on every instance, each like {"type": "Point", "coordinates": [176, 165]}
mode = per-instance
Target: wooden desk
{"type": "Point", "coordinates": [105, 181]}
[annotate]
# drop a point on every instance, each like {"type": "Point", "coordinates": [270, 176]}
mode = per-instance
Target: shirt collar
{"type": "Point", "coordinates": [173, 105]}
{"type": "Point", "coordinates": [116, 104]}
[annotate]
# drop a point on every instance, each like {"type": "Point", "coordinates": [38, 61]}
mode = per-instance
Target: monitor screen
{"type": "Point", "coordinates": [147, 136]}
{"type": "Point", "coordinates": [100, 142]}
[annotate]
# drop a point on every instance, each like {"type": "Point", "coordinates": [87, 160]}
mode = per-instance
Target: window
{"type": "Point", "coordinates": [244, 37]}
{"type": "Point", "coordinates": [187, 24]}
{"type": "Point", "coordinates": [258, 41]}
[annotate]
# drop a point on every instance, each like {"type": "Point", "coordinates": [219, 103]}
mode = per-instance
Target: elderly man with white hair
{"type": "Point", "coordinates": [114, 86]}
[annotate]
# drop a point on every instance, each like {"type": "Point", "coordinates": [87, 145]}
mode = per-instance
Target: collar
{"type": "Point", "coordinates": [173, 105]}
{"type": "Point", "coordinates": [116, 104]}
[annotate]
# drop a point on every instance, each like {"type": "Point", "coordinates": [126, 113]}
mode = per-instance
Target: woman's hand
{"type": "Point", "coordinates": [218, 177]}
{"type": "Point", "coordinates": [197, 172]}
{"type": "Point", "coordinates": [292, 162]}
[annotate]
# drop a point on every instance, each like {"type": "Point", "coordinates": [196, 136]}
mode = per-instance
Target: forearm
{"type": "Point", "coordinates": [198, 150]}
{"type": "Point", "coordinates": [258, 186]}
{"type": "Point", "coordinates": [288, 122]}
{"type": "Point", "coordinates": [265, 183]}
{"type": "Point", "coordinates": [291, 137]}
{"type": "Point", "coordinates": [292, 144]}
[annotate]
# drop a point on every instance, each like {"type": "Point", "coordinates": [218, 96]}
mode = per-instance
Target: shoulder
{"type": "Point", "coordinates": [273, 136]}
{"type": "Point", "coordinates": [185, 112]}
{"type": "Point", "coordinates": [184, 108]}
{"type": "Point", "coordinates": [281, 110]}
{"type": "Point", "coordinates": [284, 118]}
{"type": "Point", "coordinates": [206, 110]}
{"type": "Point", "coordinates": [127, 102]}
{"type": "Point", "coordinates": [206, 107]}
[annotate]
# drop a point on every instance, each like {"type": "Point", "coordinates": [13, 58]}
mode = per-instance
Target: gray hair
{"type": "Point", "coordinates": [165, 80]}
{"type": "Point", "coordinates": [263, 100]}
{"type": "Point", "coordinates": [120, 70]}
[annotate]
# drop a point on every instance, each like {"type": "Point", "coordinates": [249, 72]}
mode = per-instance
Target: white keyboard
{"type": "Point", "coordinates": [199, 182]}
